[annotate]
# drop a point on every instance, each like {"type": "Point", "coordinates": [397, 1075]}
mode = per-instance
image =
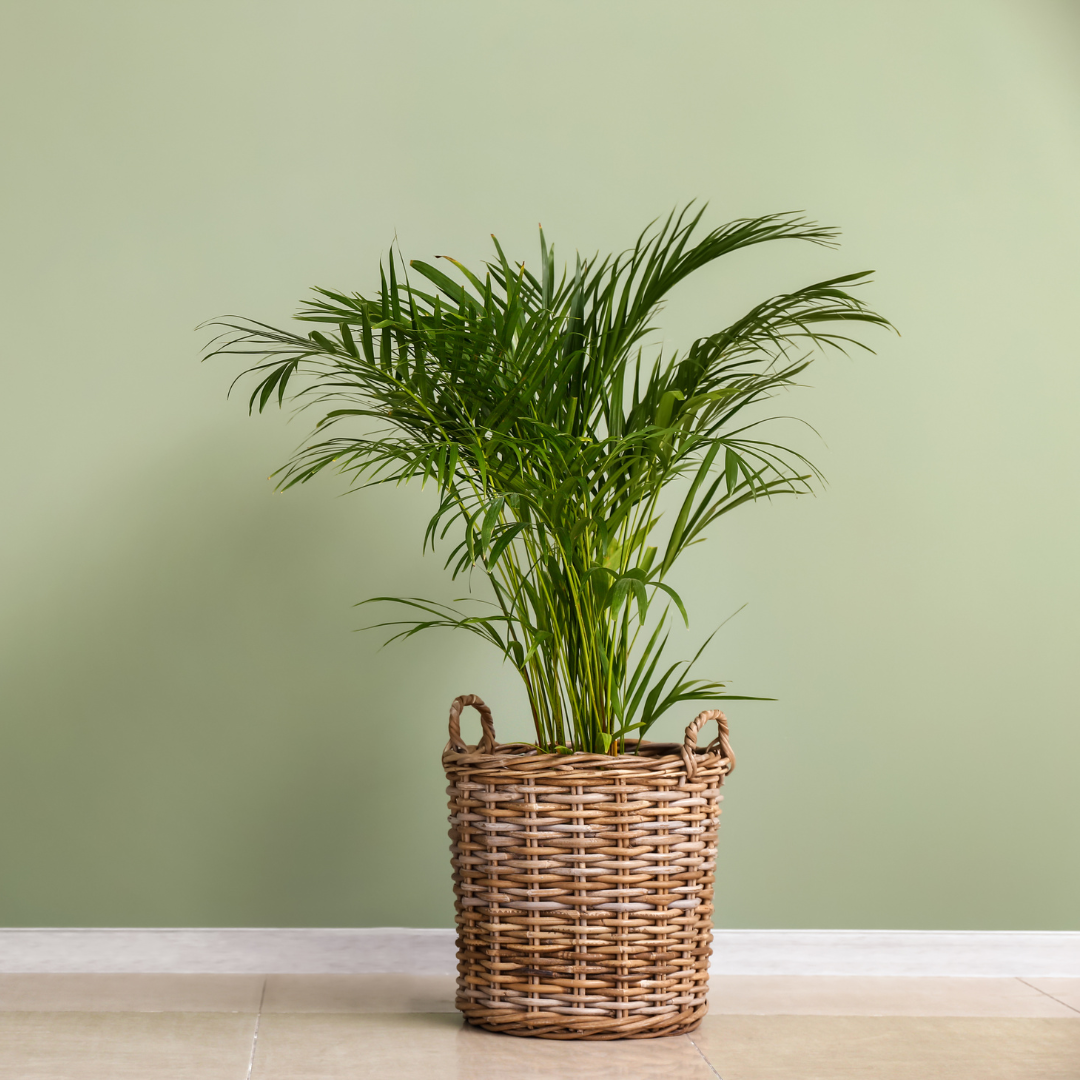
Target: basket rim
{"type": "Point", "coordinates": [664, 756]}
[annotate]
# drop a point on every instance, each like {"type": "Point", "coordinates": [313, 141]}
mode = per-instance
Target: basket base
{"type": "Point", "coordinates": [601, 1029]}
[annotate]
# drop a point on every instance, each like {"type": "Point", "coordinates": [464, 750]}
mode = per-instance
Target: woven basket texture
{"type": "Point", "coordinates": [583, 883]}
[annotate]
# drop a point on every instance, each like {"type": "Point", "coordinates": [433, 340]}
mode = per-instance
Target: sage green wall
{"type": "Point", "coordinates": [191, 733]}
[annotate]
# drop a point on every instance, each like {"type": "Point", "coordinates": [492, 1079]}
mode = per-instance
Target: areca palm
{"type": "Point", "coordinates": [530, 402]}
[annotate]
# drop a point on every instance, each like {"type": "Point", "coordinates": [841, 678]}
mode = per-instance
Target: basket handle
{"type": "Point", "coordinates": [487, 743]}
{"type": "Point", "coordinates": [689, 746]}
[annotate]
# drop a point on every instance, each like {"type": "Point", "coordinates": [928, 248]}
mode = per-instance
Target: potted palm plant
{"type": "Point", "coordinates": [572, 470]}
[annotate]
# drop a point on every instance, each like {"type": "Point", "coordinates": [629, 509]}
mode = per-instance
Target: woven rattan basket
{"type": "Point", "coordinates": [584, 883]}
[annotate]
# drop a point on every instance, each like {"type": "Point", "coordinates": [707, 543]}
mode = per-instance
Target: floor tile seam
{"type": "Point", "coordinates": [1048, 994]}
{"type": "Point", "coordinates": [255, 1033]}
{"type": "Point", "coordinates": [708, 1064]}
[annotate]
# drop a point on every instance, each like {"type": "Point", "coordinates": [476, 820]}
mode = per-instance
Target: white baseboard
{"type": "Point", "coordinates": [990, 953]}
{"type": "Point", "coordinates": [431, 952]}
{"type": "Point", "coordinates": [246, 951]}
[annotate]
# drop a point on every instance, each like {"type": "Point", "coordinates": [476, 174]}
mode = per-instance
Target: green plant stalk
{"type": "Point", "coordinates": [527, 402]}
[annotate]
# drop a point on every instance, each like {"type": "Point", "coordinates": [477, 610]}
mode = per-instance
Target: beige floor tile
{"type": "Point", "coordinates": [438, 1046]}
{"type": "Point", "coordinates": [849, 995]}
{"type": "Point", "coordinates": [118, 1046]}
{"type": "Point", "coordinates": [890, 1048]}
{"type": "Point", "coordinates": [363, 994]}
{"type": "Point", "coordinates": [1065, 990]}
{"type": "Point", "coordinates": [130, 993]}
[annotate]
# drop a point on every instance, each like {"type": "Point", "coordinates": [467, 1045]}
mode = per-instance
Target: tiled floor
{"type": "Point", "coordinates": [326, 1027]}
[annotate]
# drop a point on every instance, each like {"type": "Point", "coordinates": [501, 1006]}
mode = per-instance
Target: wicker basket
{"type": "Point", "coordinates": [584, 883]}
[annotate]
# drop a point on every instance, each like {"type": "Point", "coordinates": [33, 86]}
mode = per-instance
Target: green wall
{"type": "Point", "coordinates": [191, 733]}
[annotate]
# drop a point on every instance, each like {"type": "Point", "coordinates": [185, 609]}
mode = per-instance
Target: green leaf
{"type": "Point", "coordinates": [491, 519]}
{"type": "Point", "coordinates": [731, 470]}
{"type": "Point", "coordinates": [674, 596]}
{"type": "Point", "coordinates": [347, 340]}
{"type": "Point", "coordinates": [322, 341]}
{"type": "Point", "coordinates": [619, 593]}
{"type": "Point", "coordinates": [667, 405]}
{"type": "Point", "coordinates": [504, 538]}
